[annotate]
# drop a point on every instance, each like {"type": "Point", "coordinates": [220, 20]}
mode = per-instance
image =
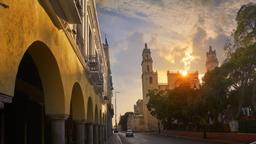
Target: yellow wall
{"type": "Point", "coordinates": [26, 22]}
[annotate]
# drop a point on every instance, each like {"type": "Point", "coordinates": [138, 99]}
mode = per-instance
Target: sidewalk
{"type": "Point", "coordinates": [114, 139]}
{"type": "Point", "coordinates": [226, 138]}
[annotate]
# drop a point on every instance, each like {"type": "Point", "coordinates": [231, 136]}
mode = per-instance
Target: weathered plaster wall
{"type": "Point", "coordinates": [23, 23]}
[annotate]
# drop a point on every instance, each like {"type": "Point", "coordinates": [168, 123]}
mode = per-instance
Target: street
{"type": "Point", "coordinates": [142, 138]}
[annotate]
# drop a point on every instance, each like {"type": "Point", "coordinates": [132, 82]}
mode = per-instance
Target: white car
{"type": "Point", "coordinates": [129, 133]}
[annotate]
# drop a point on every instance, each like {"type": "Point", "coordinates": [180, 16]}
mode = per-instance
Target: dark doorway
{"type": "Point", "coordinates": [25, 121]}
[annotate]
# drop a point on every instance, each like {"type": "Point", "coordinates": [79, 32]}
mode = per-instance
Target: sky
{"type": "Point", "coordinates": [178, 32]}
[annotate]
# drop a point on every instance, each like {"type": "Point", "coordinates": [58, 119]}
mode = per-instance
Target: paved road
{"type": "Point", "coordinates": [141, 138]}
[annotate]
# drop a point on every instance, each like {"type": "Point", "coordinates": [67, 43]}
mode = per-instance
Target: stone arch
{"type": "Point", "coordinates": [89, 110]}
{"type": "Point", "coordinates": [77, 107]}
{"type": "Point", "coordinates": [77, 114]}
{"type": "Point", "coordinates": [38, 91]}
{"type": "Point", "coordinates": [51, 78]}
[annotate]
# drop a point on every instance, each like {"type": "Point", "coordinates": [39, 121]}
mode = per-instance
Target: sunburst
{"type": "Point", "coordinates": [184, 73]}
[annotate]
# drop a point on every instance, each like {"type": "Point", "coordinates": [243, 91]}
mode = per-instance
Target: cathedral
{"type": "Point", "coordinates": [174, 79]}
{"type": "Point", "coordinates": [211, 60]}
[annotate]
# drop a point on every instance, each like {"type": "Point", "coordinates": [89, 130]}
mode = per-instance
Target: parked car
{"type": "Point", "coordinates": [129, 133]}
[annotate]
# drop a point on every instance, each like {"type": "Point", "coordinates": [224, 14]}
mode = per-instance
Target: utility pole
{"type": "Point", "coordinates": [116, 92]}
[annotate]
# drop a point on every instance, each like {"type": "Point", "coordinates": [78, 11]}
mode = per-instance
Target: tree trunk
{"type": "Point", "coordinates": [241, 99]}
{"type": "Point", "coordinates": [254, 95]}
{"type": "Point", "coordinates": [205, 133]}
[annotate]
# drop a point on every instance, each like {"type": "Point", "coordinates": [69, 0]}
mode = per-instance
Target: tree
{"type": "Point", "coordinates": [214, 91]}
{"type": "Point", "coordinates": [179, 104]}
{"type": "Point", "coordinates": [157, 105]}
{"type": "Point", "coordinates": [245, 33]}
{"type": "Point", "coordinates": [241, 58]}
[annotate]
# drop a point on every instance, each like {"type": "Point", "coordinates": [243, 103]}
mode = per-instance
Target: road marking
{"type": "Point", "coordinates": [119, 139]}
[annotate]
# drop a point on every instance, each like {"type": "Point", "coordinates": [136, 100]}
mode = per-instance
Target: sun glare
{"type": "Point", "coordinates": [184, 73]}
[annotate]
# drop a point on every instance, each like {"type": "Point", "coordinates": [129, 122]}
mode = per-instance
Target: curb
{"type": "Point", "coordinates": [115, 139]}
{"type": "Point", "coordinates": [198, 138]}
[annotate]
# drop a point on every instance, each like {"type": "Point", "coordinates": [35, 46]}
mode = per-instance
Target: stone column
{"type": "Point", "coordinates": [101, 134]}
{"type": "Point", "coordinates": [3, 100]}
{"type": "Point", "coordinates": [57, 125]}
{"type": "Point", "coordinates": [85, 134]}
{"type": "Point", "coordinates": [80, 132]}
{"type": "Point", "coordinates": [105, 133]}
{"type": "Point", "coordinates": [1, 123]}
{"type": "Point", "coordinates": [89, 131]}
{"type": "Point", "coordinates": [95, 134]}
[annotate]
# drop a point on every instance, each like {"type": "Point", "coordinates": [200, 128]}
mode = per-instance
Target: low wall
{"type": "Point", "coordinates": [237, 137]}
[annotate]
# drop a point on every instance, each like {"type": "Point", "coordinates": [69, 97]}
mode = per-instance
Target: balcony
{"type": "Point", "coordinates": [95, 74]}
{"type": "Point", "coordinates": [69, 10]}
{"type": "Point", "coordinates": [98, 82]}
{"type": "Point", "coordinates": [93, 64]}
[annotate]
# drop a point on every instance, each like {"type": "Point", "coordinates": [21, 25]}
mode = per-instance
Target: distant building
{"type": "Point", "coordinates": [138, 107]}
{"type": "Point", "coordinates": [150, 81]}
{"type": "Point", "coordinates": [136, 120]}
{"type": "Point", "coordinates": [211, 60]}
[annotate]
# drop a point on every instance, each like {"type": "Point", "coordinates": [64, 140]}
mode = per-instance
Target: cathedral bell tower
{"type": "Point", "coordinates": [147, 61]}
{"type": "Point", "coordinates": [149, 82]}
{"type": "Point", "coordinates": [211, 60]}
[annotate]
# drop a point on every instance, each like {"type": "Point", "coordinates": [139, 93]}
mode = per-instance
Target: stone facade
{"type": "Point", "coordinates": [55, 78]}
{"type": "Point", "coordinates": [138, 107]}
{"type": "Point", "coordinates": [149, 82]}
{"type": "Point", "coordinates": [135, 122]}
{"type": "Point", "coordinates": [175, 79]}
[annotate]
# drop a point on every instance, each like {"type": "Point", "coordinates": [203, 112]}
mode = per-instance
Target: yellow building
{"type": "Point", "coordinates": [55, 78]}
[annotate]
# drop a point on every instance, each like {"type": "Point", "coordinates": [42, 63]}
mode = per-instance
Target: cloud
{"type": "Point", "coordinates": [179, 33]}
{"type": "Point", "coordinates": [201, 42]}
{"type": "Point", "coordinates": [126, 71]}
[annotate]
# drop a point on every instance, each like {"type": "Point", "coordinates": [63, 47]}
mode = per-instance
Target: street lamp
{"type": "Point", "coordinates": [116, 92]}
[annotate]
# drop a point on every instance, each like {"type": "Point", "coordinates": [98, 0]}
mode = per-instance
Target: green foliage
{"type": "Point", "coordinates": [179, 104]}
{"type": "Point", "coordinates": [246, 25]}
